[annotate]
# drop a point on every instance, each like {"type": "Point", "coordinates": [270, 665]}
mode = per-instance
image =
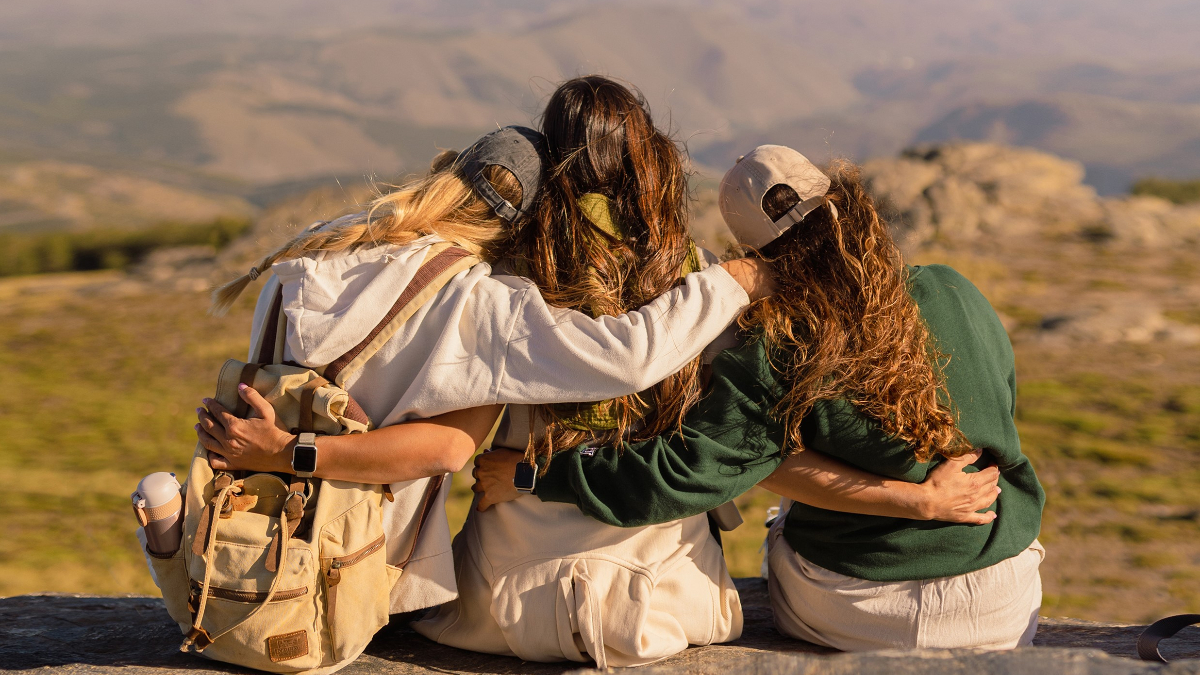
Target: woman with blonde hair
{"type": "Point", "coordinates": [904, 372]}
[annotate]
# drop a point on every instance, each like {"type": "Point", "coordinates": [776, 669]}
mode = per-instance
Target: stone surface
{"type": "Point", "coordinates": [70, 634]}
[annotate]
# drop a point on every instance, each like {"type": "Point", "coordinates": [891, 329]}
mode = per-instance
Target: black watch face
{"type": "Point", "coordinates": [304, 458]}
{"type": "Point", "coordinates": [525, 476]}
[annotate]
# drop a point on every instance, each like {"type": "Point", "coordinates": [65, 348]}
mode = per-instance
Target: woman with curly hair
{"type": "Point", "coordinates": [905, 372]}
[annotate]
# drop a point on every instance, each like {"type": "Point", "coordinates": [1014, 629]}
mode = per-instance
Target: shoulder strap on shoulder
{"type": "Point", "coordinates": [268, 345]}
{"type": "Point", "coordinates": [442, 263]}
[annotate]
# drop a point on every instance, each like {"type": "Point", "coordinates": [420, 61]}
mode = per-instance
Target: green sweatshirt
{"type": "Point", "coordinates": [730, 442]}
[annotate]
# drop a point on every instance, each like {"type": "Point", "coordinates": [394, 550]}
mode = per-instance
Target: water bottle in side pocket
{"type": "Point", "coordinates": [158, 507]}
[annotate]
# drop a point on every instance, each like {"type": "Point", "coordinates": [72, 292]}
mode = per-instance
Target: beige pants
{"type": "Point", "coordinates": [544, 582]}
{"type": "Point", "coordinates": [992, 608]}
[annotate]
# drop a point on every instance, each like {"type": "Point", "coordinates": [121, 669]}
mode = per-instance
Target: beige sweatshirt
{"type": "Point", "coordinates": [483, 339]}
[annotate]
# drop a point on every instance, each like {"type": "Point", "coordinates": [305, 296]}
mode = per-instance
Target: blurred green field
{"type": "Point", "coordinates": [103, 249]}
{"type": "Point", "coordinates": [101, 387]}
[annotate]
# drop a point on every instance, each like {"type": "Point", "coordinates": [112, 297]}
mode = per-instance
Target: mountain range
{"type": "Point", "coordinates": [247, 102]}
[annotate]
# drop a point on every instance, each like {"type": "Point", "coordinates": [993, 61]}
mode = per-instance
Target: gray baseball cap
{"type": "Point", "coordinates": [744, 186]}
{"type": "Point", "coordinates": [522, 151]}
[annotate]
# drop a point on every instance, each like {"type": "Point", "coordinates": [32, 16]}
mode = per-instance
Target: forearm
{"type": "Point", "coordinates": [407, 451]}
{"type": "Point", "coordinates": [557, 355]}
{"type": "Point", "coordinates": [728, 444]}
{"type": "Point", "coordinates": [812, 478]}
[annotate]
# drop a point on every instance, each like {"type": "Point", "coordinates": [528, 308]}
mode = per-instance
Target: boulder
{"type": "Point", "coordinates": [180, 268]}
{"type": "Point", "coordinates": [1150, 221]}
{"type": "Point", "coordinates": [966, 192]}
{"type": "Point", "coordinates": [1117, 319]}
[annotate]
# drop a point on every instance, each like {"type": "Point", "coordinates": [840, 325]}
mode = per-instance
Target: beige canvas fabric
{"type": "Point", "coordinates": [993, 608]}
{"type": "Point", "coordinates": [291, 619]}
{"type": "Point", "coordinates": [292, 577]}
{"type": "Point", "coordinates": [544, 582]}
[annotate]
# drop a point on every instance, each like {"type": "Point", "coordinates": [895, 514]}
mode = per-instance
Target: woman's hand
{"type": "Point", "coordinates": [494, 472]}
{"type": "Point", "coordinates": [954, 496]}
{"type": "Point", "coordinates": [753, 274]}
{"type": "Point", "coordinates": [253, 444]}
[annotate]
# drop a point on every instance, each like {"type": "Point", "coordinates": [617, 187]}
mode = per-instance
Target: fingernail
{"type": "Point", "coordinates": [196, 427]}
{"type": "Point", "coordinates": [242, 386]}
{"type": "Point", "coordinates": [997, 489]}
{"type": "Point", "coordinates": [198, 411]}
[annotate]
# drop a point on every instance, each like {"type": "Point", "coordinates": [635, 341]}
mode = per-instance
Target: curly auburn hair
{"type": "Point", "coordinates": [602, 139]}
{"type": "Point", "coordinates": [842, 324]}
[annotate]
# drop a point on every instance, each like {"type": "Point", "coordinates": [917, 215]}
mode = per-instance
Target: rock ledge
{"type": "Point", "coordinates": [131, 635]}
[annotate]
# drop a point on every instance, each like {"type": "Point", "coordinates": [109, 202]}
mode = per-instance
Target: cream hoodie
{"type": "Point", "coordinates": [482, 340]}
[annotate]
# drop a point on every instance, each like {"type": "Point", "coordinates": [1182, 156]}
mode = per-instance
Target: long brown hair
{"type": "Point", "coordinates": [842, 324]}
{"type": "Point", "coordinates": [441, 203]}
{"type": "Point", "coordinates": [602, 139]}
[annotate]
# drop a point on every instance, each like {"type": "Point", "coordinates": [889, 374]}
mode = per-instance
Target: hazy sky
{"type": "Point", "coordinates": [1104, 29]}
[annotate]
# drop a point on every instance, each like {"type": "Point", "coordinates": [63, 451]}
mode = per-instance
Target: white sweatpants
{"type": "Point", "coordinates": [992, 608]}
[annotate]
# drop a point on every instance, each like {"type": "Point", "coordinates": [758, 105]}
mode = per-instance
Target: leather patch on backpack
{"type": "Point", "coordinates": [287, 646]}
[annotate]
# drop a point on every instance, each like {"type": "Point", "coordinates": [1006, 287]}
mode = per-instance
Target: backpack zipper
{"type": "Point", "coordinates": [252, 596]}
{"type": "Point", "coordinates": [333, 576]}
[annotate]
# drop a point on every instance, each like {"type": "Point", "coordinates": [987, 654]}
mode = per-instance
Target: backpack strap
{"type": "Point", "coordinates": [431, 493]}
{"type": "Point", "coordinates": [1147, 642]}
{"type": "Point", "coordinates": [443, 261]}
{"type": "Point", "coordinates": [268, 344]}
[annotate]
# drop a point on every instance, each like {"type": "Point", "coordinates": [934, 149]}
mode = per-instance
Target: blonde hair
{"type": "Point", "coordinates": [440, 203]}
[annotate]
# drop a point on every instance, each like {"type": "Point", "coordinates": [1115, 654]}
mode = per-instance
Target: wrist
{"type": "Point", "coordinates": [924, 504]}
{"type": "Point", "coordinates": [283, 459]}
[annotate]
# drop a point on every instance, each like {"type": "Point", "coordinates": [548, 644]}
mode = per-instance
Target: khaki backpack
{"type": "Point", "coordinates": [280, 573]}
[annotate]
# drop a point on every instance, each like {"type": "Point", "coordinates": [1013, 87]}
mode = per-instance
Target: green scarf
{"type": "Point", "coordinates": [599, 415]}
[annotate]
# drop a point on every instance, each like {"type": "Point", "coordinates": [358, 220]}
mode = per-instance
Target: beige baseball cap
{"type": "Point", "coordinates": [745, 185]}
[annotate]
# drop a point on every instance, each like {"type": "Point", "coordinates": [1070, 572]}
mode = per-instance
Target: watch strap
{"type": "Point", "coordinates": [306, 439]}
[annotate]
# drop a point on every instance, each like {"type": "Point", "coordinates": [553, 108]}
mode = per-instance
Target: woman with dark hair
{"type": "Point", "coordinates": [611, 235]}
{"type": "Point", "coordinates": [542, 581]}
{"type": "Point", "coordinates": [900, 371]}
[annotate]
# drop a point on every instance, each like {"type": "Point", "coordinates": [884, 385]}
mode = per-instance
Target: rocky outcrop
{"type": "Point", "coordinates": [179, 268]}
{"type": "Point", "coordinates": [966, 192]}
{"type": "Point", "coordinates": [69, 634]}
{"type": "Point", "coordinates": [1117, 319]}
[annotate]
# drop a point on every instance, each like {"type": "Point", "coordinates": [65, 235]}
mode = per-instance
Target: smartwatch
{"type": "Point", "coordinates": [525, 478]}
{"type": "Point", "coordinates": [304, 455]}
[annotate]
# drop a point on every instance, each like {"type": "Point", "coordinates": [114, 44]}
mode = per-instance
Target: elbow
{"type": "Point", "coordinates": [452, 462]}
{"type": "Point", "coordinates": [457, 455]}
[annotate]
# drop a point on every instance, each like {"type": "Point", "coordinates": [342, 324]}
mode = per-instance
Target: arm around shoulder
{"type": "Point", "coordinates": [555, 355]}
{"type": "Point", "coordinates": [727, 445]}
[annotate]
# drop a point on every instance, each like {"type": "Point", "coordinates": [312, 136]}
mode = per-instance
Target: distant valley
{"type": "Point", "coordinates": [249, 105]}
